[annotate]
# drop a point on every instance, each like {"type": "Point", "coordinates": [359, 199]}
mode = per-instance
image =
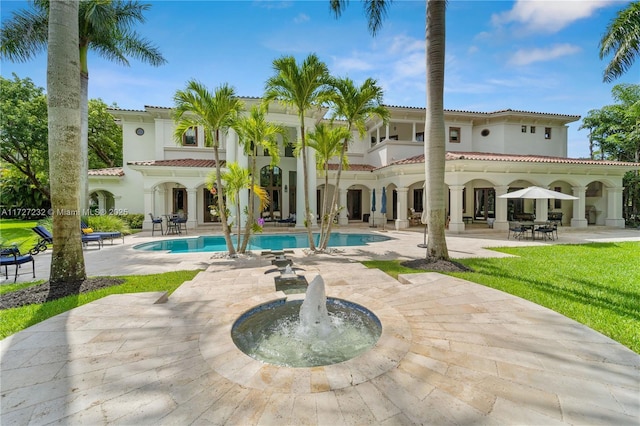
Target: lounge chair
{"type": "Point", "coordinates": [106, 235]}
{"type": "Point", "coordinates": [12, 256]}
{"type": "Point", "coordinates": [290, 221]}
{"type": "Point", "coordinates": [47, 238]}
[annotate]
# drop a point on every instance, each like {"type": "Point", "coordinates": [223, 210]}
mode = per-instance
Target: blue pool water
{"type": "Point", "coordinates": [257, 242]}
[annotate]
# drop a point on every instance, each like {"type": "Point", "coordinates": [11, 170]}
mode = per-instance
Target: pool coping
{"type": "Point", "coordinates": [223, 356]}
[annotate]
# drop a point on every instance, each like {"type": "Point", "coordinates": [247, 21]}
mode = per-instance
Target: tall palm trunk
{"type": "Point", "coordinates": [84, 140]}
{"type": "Point", "coordinates": [221, 208]}
{"type": "Point", "coordinates": [334, 201]}
{"type": "Point", "coordinates": [308, 219]}
{"type": "Point", "coordinates": [247, 229]}
{"type": "Point", "coordinates": [434, 147]}
{"type": "Point", "coordinates": [64, 99]}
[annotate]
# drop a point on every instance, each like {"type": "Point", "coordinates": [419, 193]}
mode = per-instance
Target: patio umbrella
{"type": "Point", "coordinates": [373, 208]}
{"type": "Point", "coordinates": [383, 206]}
{"type": "Point", "coordinates": [537, 193]}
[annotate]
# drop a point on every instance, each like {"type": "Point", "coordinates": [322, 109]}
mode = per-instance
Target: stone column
{"type": "Point", "coordinates": [160, 200]}
{"type": "Point", "coordinates": [456, 223]}
{"type": "Point", "coordinates": [413, 131]}
{"type": "Point", "coordinates": [343, 219]}
{"type": "Point", "coordinates": [578, 220]}
{"type": "Point", "coordinates": [614, 207]}
{"type": "Point", "coordinates": [542, 210]}
{"type": "Point", "coordinates": [193, 208]}
{"type": "Point", "coordinates": [148, 208]}
{"type": "Point", "coordinates": [402, 221]}
{"type": "Point", "coordinates": [102, 206]}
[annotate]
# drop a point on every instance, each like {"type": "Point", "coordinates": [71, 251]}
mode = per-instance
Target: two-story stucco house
{"type": "Point", "coordinates": [488, 154]}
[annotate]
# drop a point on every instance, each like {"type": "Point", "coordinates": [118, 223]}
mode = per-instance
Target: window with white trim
{"type": "Point", "coordinates": [190, 137]}
{"type": "Point", "coordinates": [454, 134]}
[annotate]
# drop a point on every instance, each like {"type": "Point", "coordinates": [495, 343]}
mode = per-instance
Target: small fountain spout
{"type": "Point", "coordinates": [314, 317]}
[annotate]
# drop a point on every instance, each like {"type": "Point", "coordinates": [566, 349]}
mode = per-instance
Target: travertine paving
{"type": "Point", "coordinates": [452, 352]}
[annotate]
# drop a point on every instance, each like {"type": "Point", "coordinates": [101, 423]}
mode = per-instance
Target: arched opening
{"type": "Point", "coordinates": [101, 202]}
{"type": "Point", "coordinates": [271, 181]}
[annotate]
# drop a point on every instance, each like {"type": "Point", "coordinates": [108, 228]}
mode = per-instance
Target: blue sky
{"type": "Point", "coordinates": [531, 55]}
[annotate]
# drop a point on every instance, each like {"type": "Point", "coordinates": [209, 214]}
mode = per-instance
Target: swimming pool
{"type": "Point", "coordinates": [257, 242]}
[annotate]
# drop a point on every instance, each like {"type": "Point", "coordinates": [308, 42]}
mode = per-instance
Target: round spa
{"type": "Point", "coordinates": [282, 333]}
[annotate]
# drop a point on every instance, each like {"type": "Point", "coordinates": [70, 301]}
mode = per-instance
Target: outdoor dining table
{"type": "Point", "coordinates": [531, 226]}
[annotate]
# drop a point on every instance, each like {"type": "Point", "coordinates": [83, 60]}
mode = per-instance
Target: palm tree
{"type": "Point", "coordinates": [623, 40]}
{"type": "Point", "coordinates": [215, 113]}
{"type": "Point", "coordinates": [63, 87]}
{"type": "Point", "coordinates": [104, 27]}
{"type": "Point", "coordinates": [303, 87]}
{"type": "Point", "coordinates": [254, 131]}
{"type": "Point", "coordinates": [434, 148]}
{"type": "Point", "coordinates": [328, 143]}
{"type": "Point", "coordinates": [355, 105]}
{"type": "Point", "coordinates": [236, 179]}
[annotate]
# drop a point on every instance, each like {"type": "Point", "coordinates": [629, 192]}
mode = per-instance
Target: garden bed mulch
{"type": "Point", "coordinates": [43, 293]}
{"type": "Point", "coordinates": [437, 265]}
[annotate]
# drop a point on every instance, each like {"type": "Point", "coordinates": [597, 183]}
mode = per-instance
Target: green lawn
{"type": "Point", "coordinates": [19, 232]}
{"type": "Point", "coordinates": [595, 284]}
{"type": "Point", "coordinates": [16, 319]}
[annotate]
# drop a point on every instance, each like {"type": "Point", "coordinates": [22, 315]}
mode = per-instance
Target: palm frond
{"type": "Point", "coordinates": [622, 38]}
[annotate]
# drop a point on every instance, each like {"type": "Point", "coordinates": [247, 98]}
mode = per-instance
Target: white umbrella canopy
{"type": "Point", "coordinates": [537, 193]}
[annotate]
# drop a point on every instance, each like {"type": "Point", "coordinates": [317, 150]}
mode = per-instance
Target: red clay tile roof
{"type": "Point", "coordinates": [354, 167]}
{"type": "Point", "coordinates": [487, 156]}
{"type": "Point", "coordinates": [502, 111]}
{"type": "Point", "coordinates": [113, 171]}
{"type": "Point", "coordinates": [184, 162]}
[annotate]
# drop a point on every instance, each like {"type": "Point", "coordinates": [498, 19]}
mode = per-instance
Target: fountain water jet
{"type": "Point", "coordinates": [314, 316]}
{"type": "Point", "coordinates": [318, 331]}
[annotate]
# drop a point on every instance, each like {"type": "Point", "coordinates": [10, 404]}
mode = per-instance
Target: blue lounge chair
{"type": "Point", "coordinates": [47, 238]}
{"type": "Point", "coordinates": [12, 256]}
{"type": "Point", "coordinates": [106, 235]}
{"type": "Point", "coordinates": [290, 221]}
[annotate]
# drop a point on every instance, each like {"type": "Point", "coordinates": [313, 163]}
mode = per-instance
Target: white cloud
{"type": "Point", "coordinates": [302, 17]}
{"type": "Point", "coordinates": [397, 63]}
{"type": "Point", "coordinates": [549, 16]}
{"type": "Point", "coordinates": [412, 65]}
{"type": "Point", "coordinates": [270, 4]}
{"type": "Point", "coordinates": [529, 56]}
{"type": "Point", "coordinates": [349, 64]}
{"type": "Point", "coordinates": [404, 44]}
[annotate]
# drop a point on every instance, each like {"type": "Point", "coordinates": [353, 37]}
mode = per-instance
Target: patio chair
{"type": "Point", "coordinates": [12, 256]}
{"type": "Point", "coordinates": [517, 230]}
{"type": "Point", "coordinates": [180, 222]}
{"type": "Point", "coordinates": [547, 230]}
{"type": "Point", "coordinates": [106, 235]}
{"type": "Point", "coordinates": [155, 221]}
{"type": "Point", "coordinates": [47, 238]}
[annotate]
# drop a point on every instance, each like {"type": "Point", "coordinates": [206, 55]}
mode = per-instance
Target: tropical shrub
{"type": "Point", "coordinates": [133, 220]}
{"type": "Point", "coordinates": [108, 223]}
